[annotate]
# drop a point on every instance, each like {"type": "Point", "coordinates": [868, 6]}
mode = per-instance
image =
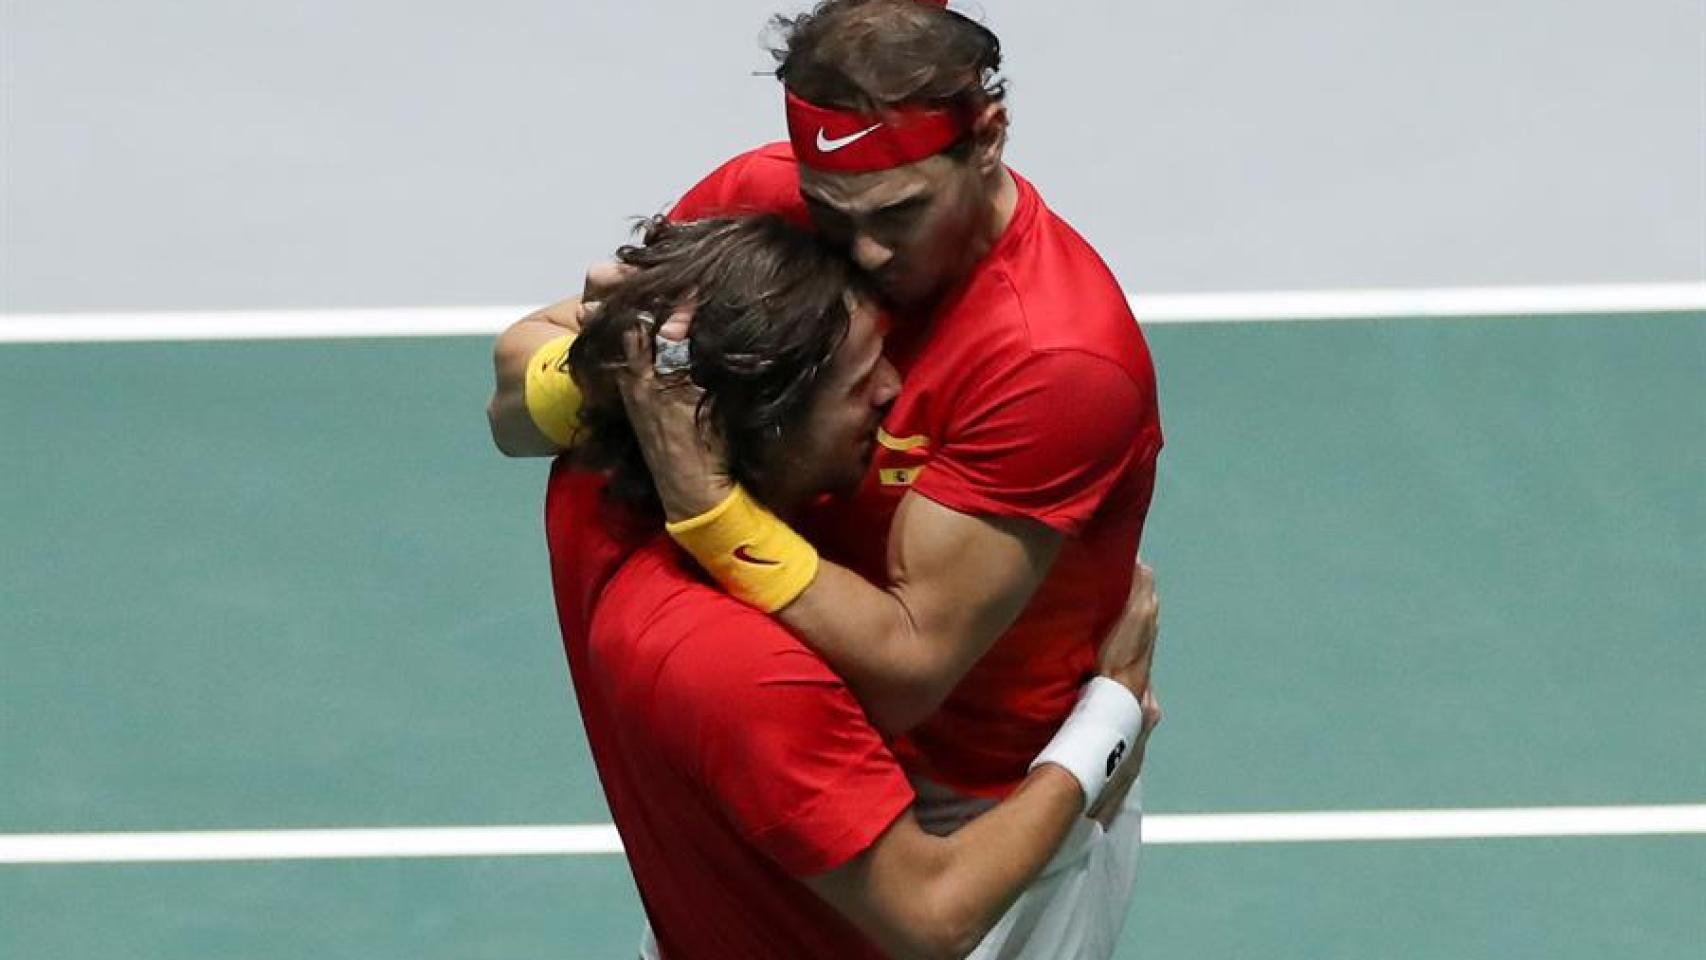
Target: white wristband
{"type": "Point", "coordinates": [1103, 725]}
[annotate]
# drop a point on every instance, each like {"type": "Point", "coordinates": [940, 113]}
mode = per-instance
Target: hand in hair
{"type": "Point", "coordinates": [686, 457]}
{"type": "Point", "coordinates": [604, 277]}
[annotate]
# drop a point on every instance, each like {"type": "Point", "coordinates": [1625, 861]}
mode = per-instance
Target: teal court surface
{"type": "Point", "coordinates": [1408, 564]}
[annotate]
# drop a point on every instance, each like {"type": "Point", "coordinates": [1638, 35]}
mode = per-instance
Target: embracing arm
{"type": "Point", "coordinates": [513, 429]}
{"type": "Point", "coordinates": [956, 583]}
{"type": "Point", "coordinates": [923, 896]}
{"type": "Point", "coordinates": [957, 579]}
{"type": "Point", "coordinates": [919, 895]}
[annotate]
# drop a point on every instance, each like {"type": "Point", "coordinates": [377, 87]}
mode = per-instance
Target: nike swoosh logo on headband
{"type": "Point", "coordinates": [828, 145]}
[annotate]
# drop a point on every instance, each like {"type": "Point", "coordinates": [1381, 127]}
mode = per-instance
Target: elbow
{"type": "Point", "coordinates": [500, 436]}
{"type": "Point", "coordinates": [954, 945]}
{"type": "Point", "coordinates": [500, 408]}
{"type": "Point", "coordinates": [948, 934]}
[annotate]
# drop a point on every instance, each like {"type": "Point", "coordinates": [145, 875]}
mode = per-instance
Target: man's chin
{"type": "Point", "coordinates": [912, 298]}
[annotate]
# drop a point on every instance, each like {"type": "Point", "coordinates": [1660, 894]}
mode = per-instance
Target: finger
{"type": "Point", "coordinates": [603, 277]}
{"type": "Point", "coordinates": [679, 322]}
{"type": "Point", "coordinates": [637, 350]}
{"type": "Point", "coordinates": [1142, 585]}
{"type": "Point", "coordinates": [586, 312]}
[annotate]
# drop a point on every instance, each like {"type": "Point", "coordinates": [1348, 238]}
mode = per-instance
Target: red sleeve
{"type": "Point", "coordinates": [778, 742]}
{"type": "Point", "coordinates": [707, 198]}
{"type": "Point", "coordinates": [1046, 440]}
{"type": "Point", "coordinates": [759, 181]}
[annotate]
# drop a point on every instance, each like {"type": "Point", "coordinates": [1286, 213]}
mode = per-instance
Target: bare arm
{"type": "Point", "coordinates": [921, 896]}
{"type": "Point", "coordinates": [956, 583]}
{"type": "Point", "coordinates": [513, 430]}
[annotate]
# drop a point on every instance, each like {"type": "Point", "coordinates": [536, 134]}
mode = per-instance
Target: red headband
{"type": "Point", "coordinates": [844, 141]}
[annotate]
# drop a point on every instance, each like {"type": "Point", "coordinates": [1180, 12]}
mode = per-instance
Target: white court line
{"type": "Point", "coordinates": [1150, 309]}
{"type": "Point", "coordinates": [592, 839]}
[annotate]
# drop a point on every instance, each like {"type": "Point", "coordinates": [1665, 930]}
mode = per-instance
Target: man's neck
{"type": "Point", "coordinates": [1003, 203]}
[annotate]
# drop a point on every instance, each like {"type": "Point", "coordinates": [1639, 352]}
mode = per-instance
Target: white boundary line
{"type": "Point", "coordinates": [596, 839]}
{"type": "Point", "coordinates": [1150, 309]}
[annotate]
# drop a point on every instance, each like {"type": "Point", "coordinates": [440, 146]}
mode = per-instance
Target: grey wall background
{"type": "Point", "coordinates": [207, 154]}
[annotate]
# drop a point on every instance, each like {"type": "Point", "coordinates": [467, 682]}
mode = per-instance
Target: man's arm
{"type": "Point", "coordinates": [513, 429]}
{"type": "Point", "coordinates": [922, 896]}
{"type": "Point", "coordinates": [919, 895]}
{"type": "Point", "coordinates": [956, 583]}
{"type": "Point", "coordinates": [957, 579]}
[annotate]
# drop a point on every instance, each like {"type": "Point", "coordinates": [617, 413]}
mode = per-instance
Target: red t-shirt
{"type": "Point", "coordinates": [1029, 392]}
{"type": "Point", "coordinates": [733, 759]}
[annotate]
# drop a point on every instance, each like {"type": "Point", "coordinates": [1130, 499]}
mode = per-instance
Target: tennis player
{"type": "Point", "coordinates": [992, 542]}
{"type": "Point", "coordinates": [762, 813]}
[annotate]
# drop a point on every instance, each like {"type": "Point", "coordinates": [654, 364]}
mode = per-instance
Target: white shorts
{"type": "Point", "coordinates": [1077, 906]}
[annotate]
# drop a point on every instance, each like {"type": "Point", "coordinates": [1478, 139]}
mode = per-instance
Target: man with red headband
{"type": "Point", "coordinates": [993, 540]}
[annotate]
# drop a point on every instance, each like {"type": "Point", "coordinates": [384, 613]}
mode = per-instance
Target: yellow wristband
{"type": "Point", "coordinates": [753, 554]}
{"type": "Point", "coordinates": [553, 400]}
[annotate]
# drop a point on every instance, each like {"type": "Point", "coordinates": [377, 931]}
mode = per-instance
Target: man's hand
{"type": "Point", "coordinates": [1128, 656]}
{"type": "Point", "coordinates": [685, 457]}
{"type": "Point", "coordinates": [1128, 650]}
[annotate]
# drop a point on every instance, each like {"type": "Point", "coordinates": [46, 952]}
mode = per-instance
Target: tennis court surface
{"type": "Point", "coordinates": [1407, 564]}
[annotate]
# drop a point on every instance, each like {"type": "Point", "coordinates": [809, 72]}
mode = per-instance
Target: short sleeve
{"type": "Point", "coordinates": [757, 182]}
{"type": "Point", "coordinates": [1046, 440]}
{"type": "Point", "coordinates": [707, 197]}
{"type": "Point", "coordinates": [779, 744]}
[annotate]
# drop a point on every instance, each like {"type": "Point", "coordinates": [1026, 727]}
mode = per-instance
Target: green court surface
{"type": "Point", "coordinates": [1403, 563]}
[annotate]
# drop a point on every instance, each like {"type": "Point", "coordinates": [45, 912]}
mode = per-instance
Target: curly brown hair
{"type": "Point", "coordinates": [770, 309]}
{"type": "Point", "coordinates": [872, 55]}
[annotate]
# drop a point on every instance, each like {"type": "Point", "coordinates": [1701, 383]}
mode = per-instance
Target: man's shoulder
{"type": "Point", "coordinates": [1069, 298]}
{"type": "Point", "coordinates": [660, 622]}
{"type": "Point", "coordinates": [762, 180]}
{"type": "Point", "coordinates": [1025, 321]}
{"type": "Point", "coordinates": [1046, 290]}
{"type": "Point", "coordinates": [767, 162]}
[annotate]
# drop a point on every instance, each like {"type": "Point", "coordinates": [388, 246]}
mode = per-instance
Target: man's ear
{"type": "Point", "coordinates": [989, 137]}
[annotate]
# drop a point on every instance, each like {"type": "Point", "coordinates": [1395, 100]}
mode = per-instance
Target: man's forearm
{"type": "Point", "coordinates": [513, 430]}
{"type": "Point", "coordinates": [956, 582]}
{"type": "Point", "coordinates": [997, 855]}
{"type": "Point", "coordinates": [927, 897]}
{"type": "Point", "coordinates": [869, 637]}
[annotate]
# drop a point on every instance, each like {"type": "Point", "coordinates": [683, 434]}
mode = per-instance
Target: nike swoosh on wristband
{"type": "Point", "coordinates": [829, 145]}
{"type": "Point", "coordinates": [744, 554]}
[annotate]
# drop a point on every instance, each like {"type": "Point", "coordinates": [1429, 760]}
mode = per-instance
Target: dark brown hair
{"type": "Point", "coordinates": [770, 310]}
{"type": "Point", "coordinates": [870, 55]}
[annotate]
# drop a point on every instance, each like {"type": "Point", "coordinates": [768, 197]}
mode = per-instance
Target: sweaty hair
{"type": "Point", "coordinates": [870, 55]}
{"type": "Point", "coordinates": [770, 310]}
